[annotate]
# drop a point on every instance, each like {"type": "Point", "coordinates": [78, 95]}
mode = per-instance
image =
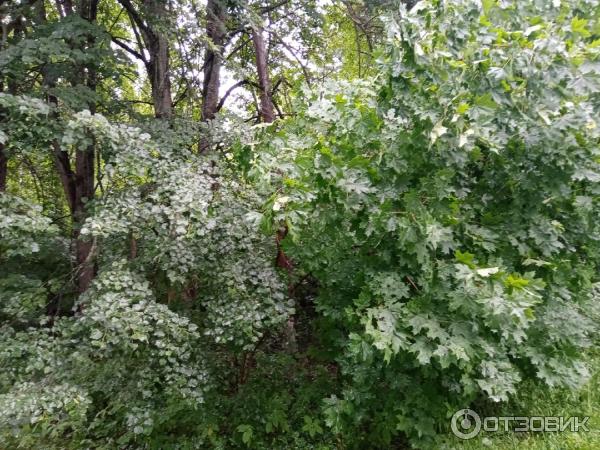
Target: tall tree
{"type": "Point", "coordinates": [148, 26]}
{"type": "Point", "coordinates": [15, 26]}
{"type": "Point", "coordinates": [267, 112]}
{"type": "Point", "coordinates": [78, 184]}
{"type": "Point", "coordinates": [216, 33]}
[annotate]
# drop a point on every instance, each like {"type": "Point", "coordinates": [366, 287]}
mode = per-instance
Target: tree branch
{"type": "Point", "coordinates": [273, 7]}
{"type": "Point", "coordinates": [232, 88]}
{"type": "Point", "coordinates": [133, 13]}
{"type": "Point", "coordinates": [293, 53]}
{"type": "Point", "coordinates": [245, 41]}
{"type": "Point", "coordinates": [127, 48]}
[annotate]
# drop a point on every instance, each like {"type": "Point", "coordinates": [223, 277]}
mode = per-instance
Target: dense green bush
{"type": "Point", "coordinates": [449, 210]}
{"type": "Point", "coordinates": [120, 365]}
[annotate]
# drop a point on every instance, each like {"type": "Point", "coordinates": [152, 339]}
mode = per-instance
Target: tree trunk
{"type": "Point", "coordinates": [213, 59]}
{"type": "Point", "coordinates": [78, 185]}
{"type": "Point", "coordinates": [267, 115]}
{"type": "Point", "coordinates": [267, 112]}
{"type": "Point", "coordinates": [84, 171]}
{"type": "Point", "coordinates": [158, 66]}
{"type": "Point", "coordinates": [157, 45]}
{"type": "Point", "coordinates": [84, 191]}
{"type": "Point", "coordinates": [158, 71]}
{"type": "Point", "coordinates": [3, 157]}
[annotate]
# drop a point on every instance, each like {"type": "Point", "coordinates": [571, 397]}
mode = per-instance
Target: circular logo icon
{"type": "Point", "coordinates": [466, 424]}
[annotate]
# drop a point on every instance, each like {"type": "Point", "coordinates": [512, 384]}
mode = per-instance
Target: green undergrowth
{"type": "Point", "coordinates": [535, 400]}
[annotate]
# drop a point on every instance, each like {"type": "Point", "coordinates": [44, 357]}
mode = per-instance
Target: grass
{"type": "Point", "coordinates": [536, 401]}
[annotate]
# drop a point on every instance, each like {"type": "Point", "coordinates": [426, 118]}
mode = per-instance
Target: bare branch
{"type": "Point", "coordinates": [293, 53]}
{"type": "Point", "coordinates": [230, 90]}
{"type": "Point", "coordinates": [127, 48]}
{"type": "Point", "coordinates": [135, 16]}
{"type": "Point", "coordinates": [273, 7]}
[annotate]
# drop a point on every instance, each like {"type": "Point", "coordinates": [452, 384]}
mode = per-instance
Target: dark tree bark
{"type": "Point", "coordinates": [267, 115]}
{"type": "Point", "coordinates": [84, 171]}
{"type": "Point", "coordinates": [161, 84]}
{"type": "Point", "coordinates": [78, 184]}
{"type": "Point", "coordinates": [158, 65]}
{"type": "Point", "coordinates": [157, 45]}
{"type": "Point", "coordinates": [84, 191]}
{"type": "Point", "coordinates": [213, 59]}
{"type": "Point", "coordinates": [3, 159]}
{"type": "Point", "coordinates": [65, 173]}
{"type": "Point", "coordinates": [267, 111]}
{"type": "Point", "coordinates": [216, 32]}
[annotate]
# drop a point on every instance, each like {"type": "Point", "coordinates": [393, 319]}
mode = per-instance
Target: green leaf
{"type": "Point", "coordinates": [485, 101]}
{"type": "Point", "coordinates": [578, 26]}
{"type": "Point", "coordinates": [96, 334]}
{"type": "Point", "coordinates": [465, 258]}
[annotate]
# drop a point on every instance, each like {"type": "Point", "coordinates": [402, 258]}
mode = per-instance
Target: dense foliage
{"type": "Point", "coordinates": [409, 238]}
{"type": "Point", "coordinates": [453, 205]}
